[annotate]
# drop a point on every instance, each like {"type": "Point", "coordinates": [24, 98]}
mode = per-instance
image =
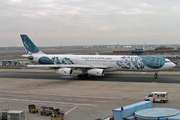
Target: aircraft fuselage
{"type": "Point", "coordinates": [114, 63]}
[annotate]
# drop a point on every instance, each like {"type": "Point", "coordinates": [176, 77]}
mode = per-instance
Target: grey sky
{"type": "Point", "coordinates": [83, 22]}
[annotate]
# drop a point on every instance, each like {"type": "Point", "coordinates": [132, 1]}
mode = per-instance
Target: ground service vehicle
{"type": "Point", "coordinates": [46, 110]}
{"type": "Point", "coordinates": [57, 114]}
{"type": "Point", "coordinates": [16, 115]}
{"type": "Point", "coordinates": [4, 114]}
{"type": "Point", "coordinates": [32, 108]}
{"type": "Point", "coordinates": [157, 97]}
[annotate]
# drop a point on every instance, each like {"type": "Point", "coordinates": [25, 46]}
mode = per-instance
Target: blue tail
{"type": "Point", "coordinates": [29, 45]}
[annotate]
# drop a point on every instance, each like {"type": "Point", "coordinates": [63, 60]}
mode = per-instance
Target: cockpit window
{"type": "Point", "coordinates": [167, 61]}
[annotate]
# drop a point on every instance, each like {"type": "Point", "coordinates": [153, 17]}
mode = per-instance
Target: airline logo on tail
{"type": "Point", "coordinates": [29, 45]}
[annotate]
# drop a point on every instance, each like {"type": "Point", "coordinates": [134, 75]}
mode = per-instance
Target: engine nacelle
{"type": "Point", "coordinates": [96, 72]}
{"type": "Point", "coordinates": [64, 71]}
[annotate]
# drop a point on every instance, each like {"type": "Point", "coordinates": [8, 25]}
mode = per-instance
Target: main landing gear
{"type": "Point", "coordinates": [82, 75]}
{"type": "Point", "coordinates": [156, 75]}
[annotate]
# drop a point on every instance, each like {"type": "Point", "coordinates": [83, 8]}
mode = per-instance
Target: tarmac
{"type": "Point", "coordinates": [83, 99]}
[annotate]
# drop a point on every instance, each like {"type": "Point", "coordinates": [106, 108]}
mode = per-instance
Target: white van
{"type": "Point", "coordinates": [157, 96]}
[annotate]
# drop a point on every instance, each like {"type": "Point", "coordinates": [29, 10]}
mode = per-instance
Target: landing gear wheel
{"type": "Point", "coordinates": [156, 76]}
{"type": "Point", "coordinates": [82, 75]}
{"type": "Point", "coordinates": [85, 75]}
{"type": "Point", "coordinates": [79, 76]}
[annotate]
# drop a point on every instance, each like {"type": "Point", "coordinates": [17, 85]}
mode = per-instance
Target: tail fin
{"type": "Point", "coordinates": [29, 45]}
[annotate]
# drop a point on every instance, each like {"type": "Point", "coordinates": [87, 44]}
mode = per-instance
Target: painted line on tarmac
{"type": "Point", "coordinates": [68, 99]}
{"type": "Point", "coordinates": [40, 70]}
{"type": "Point", "coordinates": [66, 95]}
{"type": "Point", "coordinates": [143, 72]}
{"type": "Point", "coordinates": [62, 95]}
{"type": "Point", "coordinates": [100, 101]}
{"type": "Point", "coordinates": [12, 95]}
{"type": "Point", "coordinates": [63, 103]}
{"type": "Point", "coordinates": [35, 97]}
{"type": "Point", "coordinates": [110, 105]}
{"type": "Point", "coordinates": [86, 104]}
{"type": "Point", "coordinates": [71, 110]}
{"type": "Point", "coordinates": [45, 97]}
{"type": "Point", "coordinates": [57, 98]}
{"type": "Point", "coordinates": [27, 101]}
{"type": "Point", "coordinates": [81, 100]}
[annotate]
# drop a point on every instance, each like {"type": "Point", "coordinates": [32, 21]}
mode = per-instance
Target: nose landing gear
{"type": "Point", "coordinates": [156, 75]}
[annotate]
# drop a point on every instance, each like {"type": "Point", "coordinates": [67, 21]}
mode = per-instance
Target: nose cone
{"type": "Point", "coordinates": [173, 65]}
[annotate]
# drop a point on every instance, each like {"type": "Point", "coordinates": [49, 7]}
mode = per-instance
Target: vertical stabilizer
{"type": "Point", "coordinates": [29, 45]}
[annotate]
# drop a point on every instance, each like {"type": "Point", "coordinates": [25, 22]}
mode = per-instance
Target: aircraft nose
{"type": "Point", "coordinates": [173, 65]}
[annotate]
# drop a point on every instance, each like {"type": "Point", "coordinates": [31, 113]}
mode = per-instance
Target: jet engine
{"type": "Point", "coordinates": [96, 72]}
{"type": "Point", "coordinates": [30, 57]}
{"type": "Point", "coordinates": [64, 71]}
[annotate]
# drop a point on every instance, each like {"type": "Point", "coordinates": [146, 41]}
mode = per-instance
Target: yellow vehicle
{"type": "Point", "coordinates": [46, 110]}
{"type": "Point", "coordinates": [157, 97]}
{"type": "Point", "coordinates": [57, 114]}
{"type": "Point", "coordinates": [33, 109]}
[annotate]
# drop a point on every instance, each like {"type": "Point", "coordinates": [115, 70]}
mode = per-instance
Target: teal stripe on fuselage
{"type": "Point", "coordinates": [120, 62]}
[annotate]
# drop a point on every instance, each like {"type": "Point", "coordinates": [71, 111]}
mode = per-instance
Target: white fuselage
{"type": "Point", "coordinates": [113, 62]}
{"type": "Point", "coordinates": [93, 64]}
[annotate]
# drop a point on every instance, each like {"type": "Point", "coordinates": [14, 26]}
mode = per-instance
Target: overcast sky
{"type": "Point", "coordinates": [90, 22]}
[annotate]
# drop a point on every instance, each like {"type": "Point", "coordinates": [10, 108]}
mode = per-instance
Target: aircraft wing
{"type": "Point", "coordinates": [70, 66]}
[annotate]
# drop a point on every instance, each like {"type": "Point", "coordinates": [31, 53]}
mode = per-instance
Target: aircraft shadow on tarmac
{"type": "Point", "coordinates": [108, 77]}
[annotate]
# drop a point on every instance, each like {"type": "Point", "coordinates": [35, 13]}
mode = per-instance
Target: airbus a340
{"type": "Point", "coordinates": [95, 65]}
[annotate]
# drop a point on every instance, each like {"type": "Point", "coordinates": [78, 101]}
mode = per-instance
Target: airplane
{"type": "Point", "coordinates": [95, 65]}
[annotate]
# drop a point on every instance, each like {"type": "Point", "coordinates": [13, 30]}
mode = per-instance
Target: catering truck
{"type": "Point", "coordinates": [157, 97]}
